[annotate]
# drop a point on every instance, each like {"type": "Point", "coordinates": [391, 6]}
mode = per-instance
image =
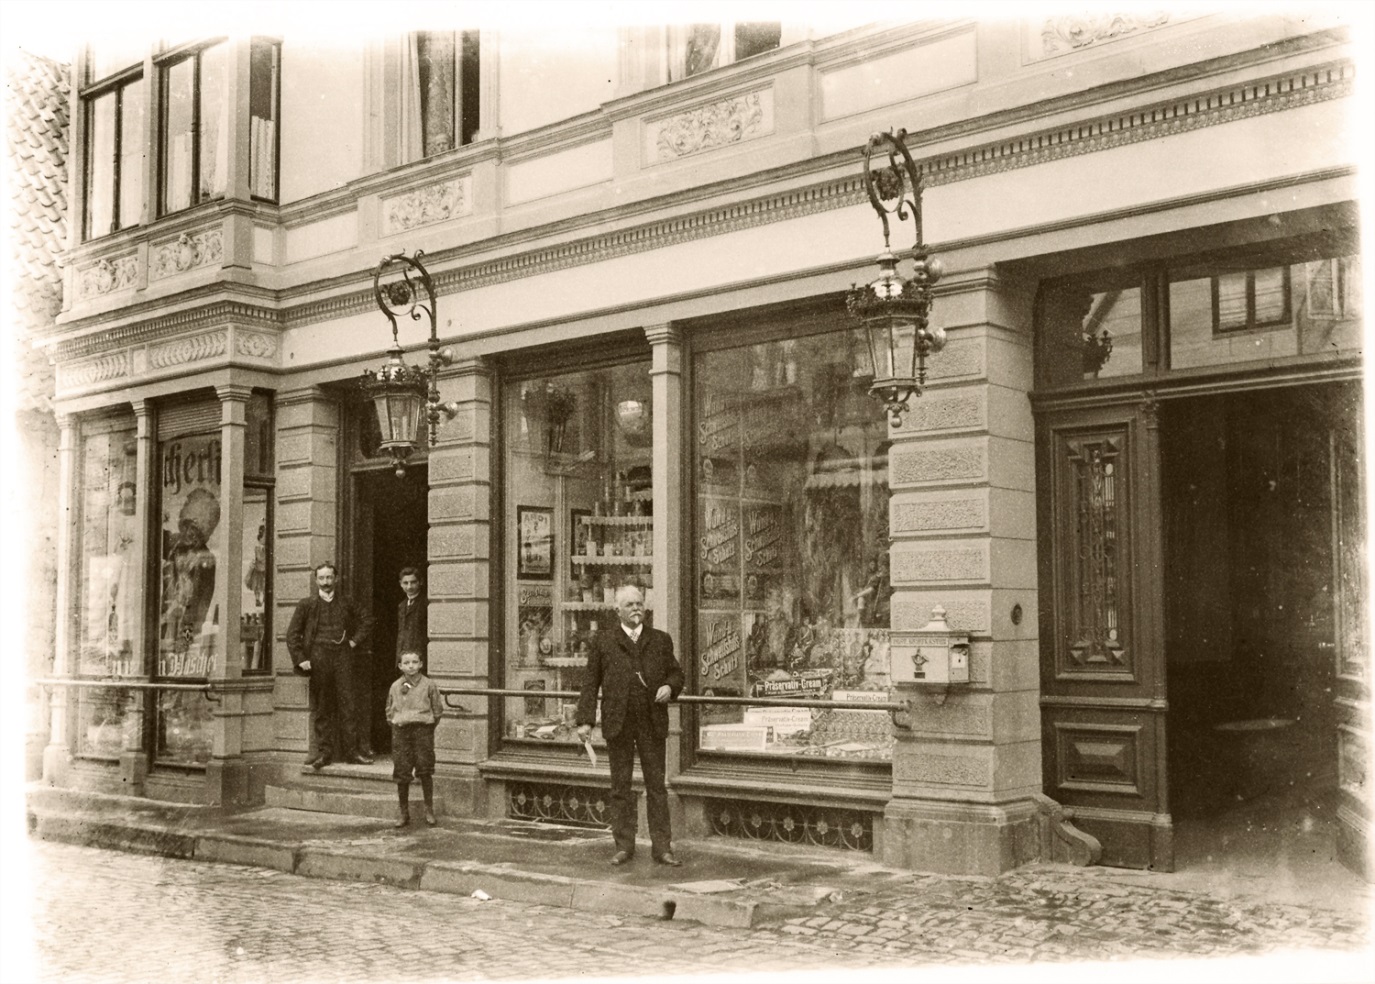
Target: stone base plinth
{"type": "Point", "coordinates": [960, 838]}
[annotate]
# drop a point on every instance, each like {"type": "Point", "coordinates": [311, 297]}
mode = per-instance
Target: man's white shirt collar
{"type": "Point", "coordinates": [633, 633]}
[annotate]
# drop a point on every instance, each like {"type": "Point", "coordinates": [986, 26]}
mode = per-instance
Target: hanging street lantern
{"type": "Point", "coordinates": [895, 310]}
{"type": "Point", "coordinates": [402, 394]}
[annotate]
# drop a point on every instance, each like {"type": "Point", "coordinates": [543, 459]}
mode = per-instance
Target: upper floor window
{"type": "Point", "coordinates": [698, 48]}
{"type": "Point", "coordinates": [441, 91]}
{"type": "Point", "coordinates": [195, 128]}
{"type": "Point", "coordinates": [113, 117]}
{"type": "Point", "coordinates": [264, 110]}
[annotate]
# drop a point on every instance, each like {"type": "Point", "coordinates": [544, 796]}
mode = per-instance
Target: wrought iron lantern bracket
{"type": "Point", "coordinates": [895, 310]}
{"type": "Point", "coordinates": [405, 389]}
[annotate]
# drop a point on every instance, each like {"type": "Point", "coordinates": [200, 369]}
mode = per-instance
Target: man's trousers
{"type": "Point", "coordinates": [638, 733]}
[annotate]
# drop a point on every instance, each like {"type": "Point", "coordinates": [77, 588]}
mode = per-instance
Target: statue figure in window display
{"type": "Point", "coordinates": [773, 637]}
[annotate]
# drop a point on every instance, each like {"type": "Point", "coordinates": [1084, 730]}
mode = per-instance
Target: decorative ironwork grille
{"type": "Point", "coordinates": [583, 806]}
{"type": "Point", "coordinates": [791, 823]}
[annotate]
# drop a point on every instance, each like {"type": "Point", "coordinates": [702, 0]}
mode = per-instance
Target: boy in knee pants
{"type": "Point", "coordinates": [413, 710]}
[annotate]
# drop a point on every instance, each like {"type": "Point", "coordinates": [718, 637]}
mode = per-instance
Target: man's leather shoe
{"type": "Point", "coordinates": [621, 857]}
{"type": "Point", "coordinates": [361, 760]}
{"type": "Point", "coordinates": [668, 859]}
{"type": "Point", "coordinates": [317, 763]}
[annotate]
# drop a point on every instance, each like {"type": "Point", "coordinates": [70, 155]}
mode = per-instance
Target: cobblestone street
{"type": "Point", "coordinates": [103, 916]}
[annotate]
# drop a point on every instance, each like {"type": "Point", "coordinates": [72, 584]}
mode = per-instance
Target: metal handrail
{"type": "Point", "coordinates": [850, 705]}
{"type": "Point", "coordinates": [116, 682]}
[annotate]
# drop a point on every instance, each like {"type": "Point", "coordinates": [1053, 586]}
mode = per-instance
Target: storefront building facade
{"type": "Point", "coordinates": [642, 276]}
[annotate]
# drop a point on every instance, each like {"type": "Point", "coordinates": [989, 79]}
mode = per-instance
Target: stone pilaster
{"type": "Point", "coordinates": [459, 578]}
{"type": "Point", "coordinates": [57, 754]}
{"type": "Point", "coordinates": [305, 535]}
{"type": "Point", "coordinates": [226, 774]}
{"type": "Point", "coordinates": [666, 380]}
{"type": "Point", "coordinates": [962, 519]}
{"type": "Point", "coordinates": [135, 756]}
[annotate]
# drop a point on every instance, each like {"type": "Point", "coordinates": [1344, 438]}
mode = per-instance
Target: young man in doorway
{"type": "Point", "coordinates": [412, 629]}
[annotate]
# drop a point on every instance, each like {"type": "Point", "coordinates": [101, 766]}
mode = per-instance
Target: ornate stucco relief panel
{"type": "Point", "coordinates": [107, 275]}
{"type": "Point", "coordinates": [187, 252]}
{"type": "Point", "coordinates": [426, 205]}
{"type": "Point", "coordinates": [924, 564]}
{"type": "Point", "coordinates": [711, 126]}
{"type": "Point", "coordinates": [92, 372]}
{"type": "Point", "coordinates": [1062, 33]}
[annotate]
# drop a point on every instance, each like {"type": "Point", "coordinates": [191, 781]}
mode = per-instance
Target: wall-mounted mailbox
{"type": "Point", "coordinates": [937, 654]}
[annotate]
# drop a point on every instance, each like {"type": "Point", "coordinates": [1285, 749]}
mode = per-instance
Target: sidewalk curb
{"type": "Point", "coordinates": [499, 881]}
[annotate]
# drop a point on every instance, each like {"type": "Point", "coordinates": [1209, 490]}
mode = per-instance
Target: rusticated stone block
{"type": "Point", "coordinates": [940, 562]}
{"type": "Point", "coordinates": [963, 408]}
{"type": "Point", "coordinates": [962, 511]}
{"type": "Point", "coordinates": [918, 463]}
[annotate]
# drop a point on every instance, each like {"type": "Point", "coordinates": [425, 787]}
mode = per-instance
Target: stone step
{"type": "Point", "coordinates": [378, 806]}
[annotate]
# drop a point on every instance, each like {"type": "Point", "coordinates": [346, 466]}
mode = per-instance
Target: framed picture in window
{"type": "Point", "coordinates": [534, 543]}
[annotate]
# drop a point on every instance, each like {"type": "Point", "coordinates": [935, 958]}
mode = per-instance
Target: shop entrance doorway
{"type": "Point", "coordinates": [1264, 627]}
{"type": "Point", "coordinates": [389, 525]}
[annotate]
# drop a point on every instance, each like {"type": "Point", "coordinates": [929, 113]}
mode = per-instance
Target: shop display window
{"type": "Point", "coordinates": [191, 551]}
{"type": "Point", "coordinates": [106, 602]}
{"type": "Point", "coordinates": [791, 593]}
{"type": "Point", "coordinates": [579, 511]}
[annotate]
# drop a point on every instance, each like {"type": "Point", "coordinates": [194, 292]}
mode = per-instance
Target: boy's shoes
{"type": "Point", "coordinates": [430, 821]}
{"type": "Point", "coordinates": [361, 760]}
{"type": "Point", "coordinates": [621, 857]}
{"type": "Point", "coordinates": [404, 820]}
{"type": "Point", "coordinates": [317, 763]}
{"type": "Point", "coordinates": [668, 859]}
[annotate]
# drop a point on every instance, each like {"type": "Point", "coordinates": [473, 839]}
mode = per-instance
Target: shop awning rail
{"type": "Point", "coordinates": [117, 683]}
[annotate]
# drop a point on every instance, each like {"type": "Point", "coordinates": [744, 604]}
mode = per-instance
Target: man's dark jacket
{"type": "Point", "coordinates": [300, 634]}
{"type": "Point", "coordinates": [412, 633]}
{"type": "Point", "coordinates": [611, 667]}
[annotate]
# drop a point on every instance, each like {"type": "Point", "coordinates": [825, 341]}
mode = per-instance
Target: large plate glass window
{"type": "Point", "coordinates": [191, 548]}
{"type": "Point", "coordinates": [791, 538]}
{"type": "Point", "coordinates": [579, 508]}
{"type": "Point", "coordinates": [106, 599]}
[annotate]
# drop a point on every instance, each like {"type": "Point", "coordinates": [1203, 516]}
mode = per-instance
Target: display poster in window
{"type": "Point", "coordinates": [254, 585]}
{"type": "Point", "coordinates": [719, 562]}
{"type": "Point", "coordinates": [107, 540]}
{"type": "Point", "coordinates": [535, 618]}
{"type": "Point", "coordinates": [720, 654]}
{"type": "Point", "coordinates": [188, 624]}
{"type": "Point", "coordinates": [765, 549]}
{"type": "Point", "coordinates": [718, 443]}
{"type": "Point", "coordinates": [535, 542]}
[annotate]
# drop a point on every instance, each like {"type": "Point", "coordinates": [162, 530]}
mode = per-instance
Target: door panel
{"type": "Point", "coordinates": [1102, 665]}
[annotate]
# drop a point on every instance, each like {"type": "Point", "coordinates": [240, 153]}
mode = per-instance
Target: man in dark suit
{"type": "Point", "coordinates": [324, 633]}
{"type": "Point", "coordinates": [634, 668]}
{"type": "Point", "coordinates": [412, 632]}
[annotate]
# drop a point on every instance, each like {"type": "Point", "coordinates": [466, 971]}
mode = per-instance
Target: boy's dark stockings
{"type": "Point", "coordinates": [403, 796]}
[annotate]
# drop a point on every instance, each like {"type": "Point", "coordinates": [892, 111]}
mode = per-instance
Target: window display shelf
{"type": "Point", "coordinates": [563, 662]}
{"type": "Point", "coordinates": [617, 520]}
{"type": "Point", "coordinates": [592, 606]}
{"type": "Point", "coordinates": [613, 561]}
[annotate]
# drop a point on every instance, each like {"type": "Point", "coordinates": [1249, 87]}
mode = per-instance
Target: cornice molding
{"type": "Point", "coordinates": [1277, 93]}
{"type": "Point", "coordinates": [1163, 119]}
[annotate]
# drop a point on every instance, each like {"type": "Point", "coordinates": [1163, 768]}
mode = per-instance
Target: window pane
{"type": "Point", "coordinates": [1269, 312]}
{"type": "Point", "coordinates": [756, 37]}
{"type": "Point", "coordinates": [255, 633]}
{"type": "Point", "coordinates": [184, 728]}
{"type": "Point", "coordinates": [106, 611]}
{"type": "Point", "coordinates": [131, 150]}
{"type": "Point", "coordinates": [792, 590]}
{"type": "Point", "coordinates": [258, 437]}
{"type": "Point", "coordinates": [109, 57]}
{"type": "Point", "coordinates": [1088, 334]}
{"type": "Point", "coordinates": [177, 99]}
{"type": "Point", "coordinates": [436, 55]}
{"type": "Point", "coordinates": [103, 722]}
{"type": "Point", "coordinates": [191, 551]}
{"type": "Point", "coordinates": [580, 505]}
{"type": "Point", "coordinates": [701, 48]}
{"type": "Point", "coordinates": [100, 163]}
{"type": "Point", "coordinates": [214, 128]}
{"type": "Point", "coordinates": [262, 100]}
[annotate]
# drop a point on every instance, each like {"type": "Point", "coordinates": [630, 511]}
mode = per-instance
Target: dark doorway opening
{"type": "Point", "coordinates": [1249, 489]}
{"type": "Point", "coordinates": [390, 531]}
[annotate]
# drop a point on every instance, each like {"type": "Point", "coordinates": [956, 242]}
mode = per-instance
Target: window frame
{"type": "Point", "coordinates": [276, 45]}
{"type": "Point", "coordinates": [116, 83]}
{"type": "Point", "coordinates": [165, 64]}
{"type": "Point", "coordinates": [1252, 323]}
